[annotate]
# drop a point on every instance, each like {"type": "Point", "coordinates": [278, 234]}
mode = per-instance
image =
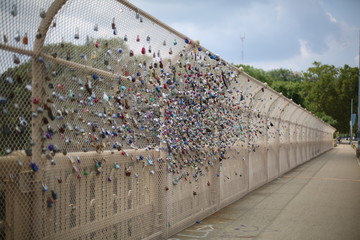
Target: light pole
{"type": "Point", "coordinates": [358, 112]}
{"type": "Point", "coordinates": [242, 37]}
{"type": "Point", "coordinates": [351, 123]}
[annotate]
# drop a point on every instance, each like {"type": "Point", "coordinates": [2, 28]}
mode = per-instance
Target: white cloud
{"type": "Point", "coordinates": [300, 61]}
{"type": "Point", "coordinates": [305, 51]}
{"type": "Point", "coordinates": [280, 11]}
{"type": "Point", "coordinates": [331, 18]}
{"type": "Point", "coordinates": [277, 34]}
{"type": "Point", "coordinates": [334, 55]}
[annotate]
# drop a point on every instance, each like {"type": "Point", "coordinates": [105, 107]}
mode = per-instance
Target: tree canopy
{"type": "Point", "coordinates": [323, 89]}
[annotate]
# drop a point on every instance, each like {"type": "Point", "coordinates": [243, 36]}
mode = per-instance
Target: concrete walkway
{"type": "Point", "coordinates": [319, 200]}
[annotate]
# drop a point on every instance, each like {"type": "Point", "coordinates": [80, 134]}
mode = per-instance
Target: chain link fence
{"type": "Point", "coordinates": [116, 126]}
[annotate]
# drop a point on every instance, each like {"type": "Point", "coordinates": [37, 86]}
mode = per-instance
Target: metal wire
{"type": "Point", "coordinates": [116, 126]}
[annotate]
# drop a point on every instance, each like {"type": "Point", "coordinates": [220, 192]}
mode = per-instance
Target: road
{"type": "Point", "coordinates": [319, 200]}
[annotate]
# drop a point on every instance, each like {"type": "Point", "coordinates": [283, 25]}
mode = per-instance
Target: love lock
{"type": "Point", "coordinates": [45, 188]}
{"type": "Point", "coordinates": [54, 195]}
{"type": "Point", "coordinates": [14, 10]}
{"type": "Point", "coordinates": [116, 166]}
{"type": "Point", "coordinates": [128, 171]}
{"type": "Point", "coordinates": [49, 202]}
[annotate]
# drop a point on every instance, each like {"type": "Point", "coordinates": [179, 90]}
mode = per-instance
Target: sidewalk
{"type": "Point", "coordinates": [319, 200]}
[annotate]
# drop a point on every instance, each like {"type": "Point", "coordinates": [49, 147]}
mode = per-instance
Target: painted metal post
{"type": "Point", "coordinates": [351, 124]}
{"type": "Point", "coordinates": [358, 131]}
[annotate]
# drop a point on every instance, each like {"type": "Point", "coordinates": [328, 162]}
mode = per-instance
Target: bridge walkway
{"type": "Point", "coordinates": [319, 200]}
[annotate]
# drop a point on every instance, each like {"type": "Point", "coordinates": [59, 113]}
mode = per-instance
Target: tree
{"type": "Point", "coordinates": [322, 95]}
{"type": "Point", "coordinates": [16, 107]}
{"type": "Point", "coordinates": [15, 87]}
{"type": "Point", "coordinates": [292, 90]}
{"type": "Point", "coordinates": [285, 75]}
{"type": "Point", "coordinates": [330, 92]}
{"type": "Point", "coordinates": [323, 89]}
{"type": "Point", "coordinates": [258, 74]}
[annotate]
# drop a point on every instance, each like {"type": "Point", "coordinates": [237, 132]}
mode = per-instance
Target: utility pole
{"type": "Point", "coordinates": [351, 123]}
{"type": "Point", "coordinates": [242, 37]}
{"type": "Point", "coordinates": [358, 112]}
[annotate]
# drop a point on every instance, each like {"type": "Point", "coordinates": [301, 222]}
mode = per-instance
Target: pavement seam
{"type": "Point", "coordinates": [327, 178]}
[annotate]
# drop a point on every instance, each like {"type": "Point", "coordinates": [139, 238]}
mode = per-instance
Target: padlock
{"type": "Point", "coordinates": [113, 26]}
{"type": "Point", "coordinates": [14, 10]}
{"type": "Point", "coordinates": [17, 36]}
{"type": "Point", "coordinates": [77, 34]}
{"type": "Point", "coordinates": [25, 39]}
{"type": "Point", "coordinates": [34, 167]}
{"type": "Point", "coordinates": [54, 195]}
{"type": "Point", "coordinates": [42, 13]}
{"type": "Point", "coordinates": [23, 122]}
{"type": "Point", "coordinates": [16, 60]}
{"type": "Point", "coordinates": [49, 202]}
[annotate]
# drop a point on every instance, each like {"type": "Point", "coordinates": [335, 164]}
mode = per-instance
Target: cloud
{"type": "Point", "coordinates": [279, 33]}
{"type": "Point", "coordinates": [298, 62]}
{"type": "Point", "coordinates": [331, 18]}
{"type": "Point", "coordinates": [334, 55]}
{"type": "Point", "coordinates": [305, 51]}
{"type": "Point", "coordinates": [280, 12]}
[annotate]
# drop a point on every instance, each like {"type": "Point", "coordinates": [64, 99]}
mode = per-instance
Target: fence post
{"type": "Point", "coordinates": [38, 91]}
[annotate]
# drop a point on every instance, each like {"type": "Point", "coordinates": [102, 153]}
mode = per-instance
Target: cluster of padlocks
{"type": "Point", "coordinates": [188, 105]}
{"type": "Point", "coordinates": [114, 106]}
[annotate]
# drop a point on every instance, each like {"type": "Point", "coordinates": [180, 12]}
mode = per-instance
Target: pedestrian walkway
{"type": "Point", "coordinates": [319, 200]}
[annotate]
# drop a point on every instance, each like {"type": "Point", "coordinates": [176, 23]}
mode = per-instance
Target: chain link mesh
{"type": "Point", "coordinates": [115, 126]}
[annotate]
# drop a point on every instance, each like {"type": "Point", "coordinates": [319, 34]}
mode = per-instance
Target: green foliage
{"type": "Point", "coordinates": [326, 118]}
{"type": "Point", "coordinates": [285, 75]}
{"type": "Point", "coordinates": [322, 94]}
{"type": "Point", "coordinates": [292, 90]}
{"type": "Point", "coordinates": [330, 93]}
{"type": "Point", "coordinates": [323, 89]}
{"type": "Point", "coordinates": [13, 83]}
{"type": "Point", "coordinates": [92, 54]}
{"type": "Point", "coordinates": [257, 73]}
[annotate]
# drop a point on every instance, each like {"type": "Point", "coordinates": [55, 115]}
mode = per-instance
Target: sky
{"type": "Point", "coordinates": [289, 34]}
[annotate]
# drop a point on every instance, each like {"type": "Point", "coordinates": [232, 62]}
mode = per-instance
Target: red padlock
{"type": "Point", "coordinates": [35, 101]}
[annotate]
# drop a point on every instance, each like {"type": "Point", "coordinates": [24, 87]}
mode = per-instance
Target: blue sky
{"type": "Point", "coordinates": [278, 33]}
